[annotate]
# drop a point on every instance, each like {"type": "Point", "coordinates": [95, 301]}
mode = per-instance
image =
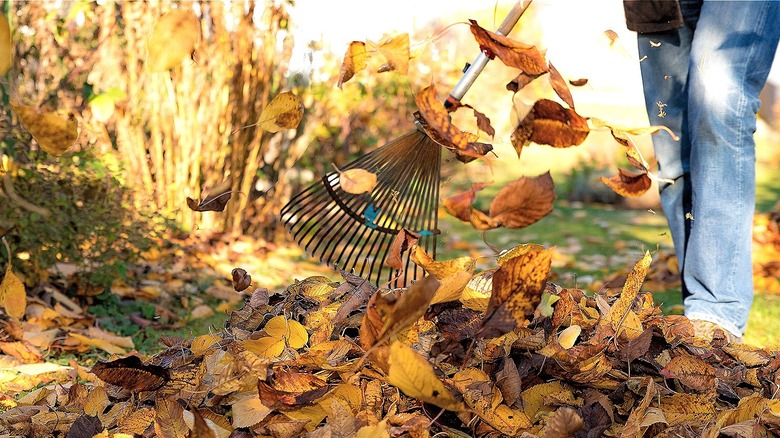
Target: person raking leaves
{"type": "Point", "coordinates": [703, 66]}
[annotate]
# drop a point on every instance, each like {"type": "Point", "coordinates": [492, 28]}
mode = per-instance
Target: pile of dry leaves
{"type": "Point", "coordinates": [501, 352]}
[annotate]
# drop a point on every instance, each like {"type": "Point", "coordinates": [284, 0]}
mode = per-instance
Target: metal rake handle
{"type": "Point", "coordinates": [470, 75]}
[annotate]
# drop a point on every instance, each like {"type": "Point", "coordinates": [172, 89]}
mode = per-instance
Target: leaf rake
{"type": "Point", "coordinates": [355, 232]}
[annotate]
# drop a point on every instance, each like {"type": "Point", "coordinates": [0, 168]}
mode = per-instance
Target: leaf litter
{"type": "Point", "coordinates": [398, 363]}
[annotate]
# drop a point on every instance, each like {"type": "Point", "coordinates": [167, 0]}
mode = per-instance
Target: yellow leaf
{"type": "Point", "coordinates": [414, 376]}
{"type": "Point", "coordinates": [357, 181]}
{"type": "Point", "coordinates": [396, 52]}
{"type": "Point", "coordinates": [378, 430]}
{"type": "Point", "coordinates": [173, 39]}
{"type": "Point", "coordinates": [249, 410]}
{"type": "Point", "coordinates": [6, 48]}
{"type": "Point", "coordinates": [451, 286]}
{"type": "Point", "coordinates": [284, 112]}
{"type": "Point", "coordinates": [569, 336]}
{"type": "Point", "coordinates": [54, 133]}
{"type": "Point", "coordinates": [12, 295]}
{"type": "Point", "coordinates": [280, 328]}
{"type": "Point", "coordinates": [202, 343]}
{"type": "Point", "coordinates": [443, 269]}
{"type": "Point", "coordinates": [96, 402]}
{"type": "Point", "coordinates": [268, 347]}
{"type": "Point", "coordinates": [479, 395]}
{"type": "Point", "coordinates": [102, 344]}
{"type": "Point", "coordinates": [533, 398]}
{"type": "Point", "coordinates": [476, 295]}
{"type": "Point", "coordinates": [517, 251]}
{"type": "Point", "coordinates": [634, 281]}
{"type": "Point", "coordinates": [354, 61]}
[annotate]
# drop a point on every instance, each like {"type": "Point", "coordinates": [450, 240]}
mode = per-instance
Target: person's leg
{"type": "Point", "coordinates": [732, 51]}
{"type": "Point", "coordinates": [664, 60]}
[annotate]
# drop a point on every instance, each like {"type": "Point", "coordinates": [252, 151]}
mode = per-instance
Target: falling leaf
{"type": "Point", "coordinates": [512, 53]}
{"type": "Point", "coordinates": [103, 104]}
{"type": "Point", "coordinates": [628, 184]}
{"type": "Point", "coordinates": [560, 87]}
{"type": "Point", "coordinates": [357, 181]}
{"type": "Point", "coordinates": [396, 51]}
{"type": "Point", "coordinates": [404, 240]}
{"type": "Point", "coordinates": [551, 124]}
{"type": "Point", "coordinates": [612, 35]}
{"type": "Point", "coordinates": [131, 374]}
{"type": "Point", "coordinates": [524, 201]}
{"type": "Point", "coordinates": [414, 376]}
{"type": "Point", "coordinates": [460, 205]}
{"type": "Point", "coordinates": [437, 119]}
{"type": "Point", "coordinates": [578, 82]}
{"type": "Point", "coordinates": [241, 280]}
{"type": "Point", "coordinates": [285, 111]}
{"type": "Point", "coordinates": [54, 133]}
{"type": "Point", "coordinates": [6, 46]}
{"type": "Point", "coordinates": [517, 250]}
{"type": "Point", "coordinates": [216, 198]}
{"type": "Point", "coordinates": [569, 336]}
{"type": "Point", "coordinates": [519, 82]}
{"type": "Point", "coordinates": [172, 40]}
{"type": "Point", "coordinates": [517, 290]}
{"type": "Point", "coordinates": [13, 298]}
{"type": "Point", "coordinates": [355, 60]}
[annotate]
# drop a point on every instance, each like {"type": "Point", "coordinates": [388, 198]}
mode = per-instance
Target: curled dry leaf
{"type": "Point", "coordinates": [285, 111]}
{"type": "Point", "coordinates": [524, 201]}
{"type": "Point", "coordinates": [404, 240]}
{"type": "Point", "coordinates": [6, 47]}
{"type": "Point", "coordinates": [628, 184]}
{"type": "Point", "coordinates": [53, 132]}
{"type": "Point", "coordinates": [459, 205]}
{"type": "Point", "coordinates": [357, 181]}
{"type": "Point", "coordinates": [560, 87]}
{"type": "Point", "coordinates": [355, 60]}
{"type": "Point", "coordinates": [551, 124]}
{"type": "Point", "coordinates": [172, 40]}
{"type": "Point", "coordinates": [437, 119]}
{"type": "Point", "coordinates": [512, 53]}
{"type": "Point", "coordinates": [216, 198]}
{"type": "Point", "coordinates": [521, 81]}
{"type": "Point", "coordinates": [241, 280]}
{"type": "Point", "coordinates": [131, 374]}
{"type": "Point", "coordinates": [578, 82]}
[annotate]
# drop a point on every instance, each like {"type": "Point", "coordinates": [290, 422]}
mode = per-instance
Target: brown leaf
{"type": "Point", "coordinates": [131, 374]}
{"type": "Point", "coordinates": [551, 124]}
{"type": "Point", "coordinates": [396, 52]}
{"type": "Point", "coordinates": [509, 381]}
{"type": "Point", "coordinates": [578, 82]}
{"type": "Point", "coordinates": [290, 389]}
{"type": "Point", "coordinates": [241, 280]}
{"type": "Point", "coordinates": [622, 306]}
{"type": "Point", "coordinates": [524, 201]}
{"type": "Point", "coordinates": [519, 82]}
{"type": "Point", "coordinates": [517, 290]}
{"type": "Point", "coordinates": [216, 198]}
{"type": "Point", "coordinates": [355, 60]}
{"type": "Point", "coordinates": [473, 151]}
{"type": "Point", "coordinates": [692, 372]}
{"type": "Point", "coordinates": [398, 312]}
{"type": "Point", "coordinates": [460, 205]}
{"type": "Point", "coordinates": [483, 122]}
{"type": "Point", "coordinates": [563, 423]}
{"type": "Point", "coordinates": [169, 418]}
{"type": "Point", "coordinates": [403, 240]}
{"type": "Point", "coordinates": [357, 181]}
{"type": "Point", "coordinates": [628, 184]}
{"type": "Point", "coordinates": [285, 111]}
{"type": "Point", "coordinates": [512, 53]}
{"type": "Point", "coordinates": [437, 119]}
{"type": "Point", "coordinates": [560, 87]}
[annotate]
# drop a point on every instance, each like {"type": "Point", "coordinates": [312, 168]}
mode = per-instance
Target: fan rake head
{"type": "Point", "coordinates": [355, 232]}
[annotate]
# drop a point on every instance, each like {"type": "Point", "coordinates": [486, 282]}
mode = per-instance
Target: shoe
{"type": "Point", "coordinates": [708, 330]}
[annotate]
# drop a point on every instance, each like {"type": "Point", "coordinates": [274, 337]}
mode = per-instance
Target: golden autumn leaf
{"type": "Point", "coordinates": [517, 290]}
{"type": "Point", "coordinates": [476, 294]}
{"type": "Point", "coordinates": [355, 60]}
{"type": "Point", "coordinates": [414, 376]}
{"type": "Point", "coordinates": [53, 132]}
{"type": "Point", "coordinates": [691, 408]}
{"type": "Point", "coordinates": [692, 372]}
{"type": "Point", "coordinates": [512, 53]}
{"type": "Point", "coordinates": [285, 111]}
{"type": "Point", "coordinates": [560, 87]}
{"type": "Point", "coordinates": [441, 269]}
{"type": "Point", "coordinates": [169, 418]}
{"type": "Point", "coordinates": [478, 394]}
{"type": "Point", "coordinates": [216, 198]}
{"type": "Point", "coordinates": [402, 311]}
{"type": "Point", "coordinates": [357, 181]}
{"type": "Point", "coordinates": [172, 40]}
{"type": "Point", "coordinates": [13, 297]}
{"type": "Point", "coordinates": [569, 336]}
{"type": "Point", "coordinates": [395, 49]}
{"type": "Point", "coordinates": [291, 330]}
{"type": "Point", "coordinates": [248, 410]}
{"type": "Point", "coordinates": [550, 123]}
{"type": "Point", "coordinates": [523, 201]}
{"type": "Point", "coordinates": [6, 46]}
{"type": "Point", "coordinates": [628, 184]}
{"type": "Point", "coordinates": [451, 287]}
{"type": "Point", "coordinates": [291, 388]}
{"type": "Point", "coordinates": [633, 283]}
{"type": "Point", "coordinates": [266, 347]}
{"type": "Point", "coordinates": [517, 250]}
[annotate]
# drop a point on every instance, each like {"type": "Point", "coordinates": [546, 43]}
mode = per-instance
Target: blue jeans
{"type": "Point", "coordinates": [703, 81]}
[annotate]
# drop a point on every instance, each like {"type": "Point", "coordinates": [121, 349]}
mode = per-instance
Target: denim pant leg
{"type": "Point", "coordinates": [732, 51]}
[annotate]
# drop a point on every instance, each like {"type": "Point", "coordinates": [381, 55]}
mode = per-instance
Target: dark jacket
{"type": "Point", "coordinates": [646, 16]}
